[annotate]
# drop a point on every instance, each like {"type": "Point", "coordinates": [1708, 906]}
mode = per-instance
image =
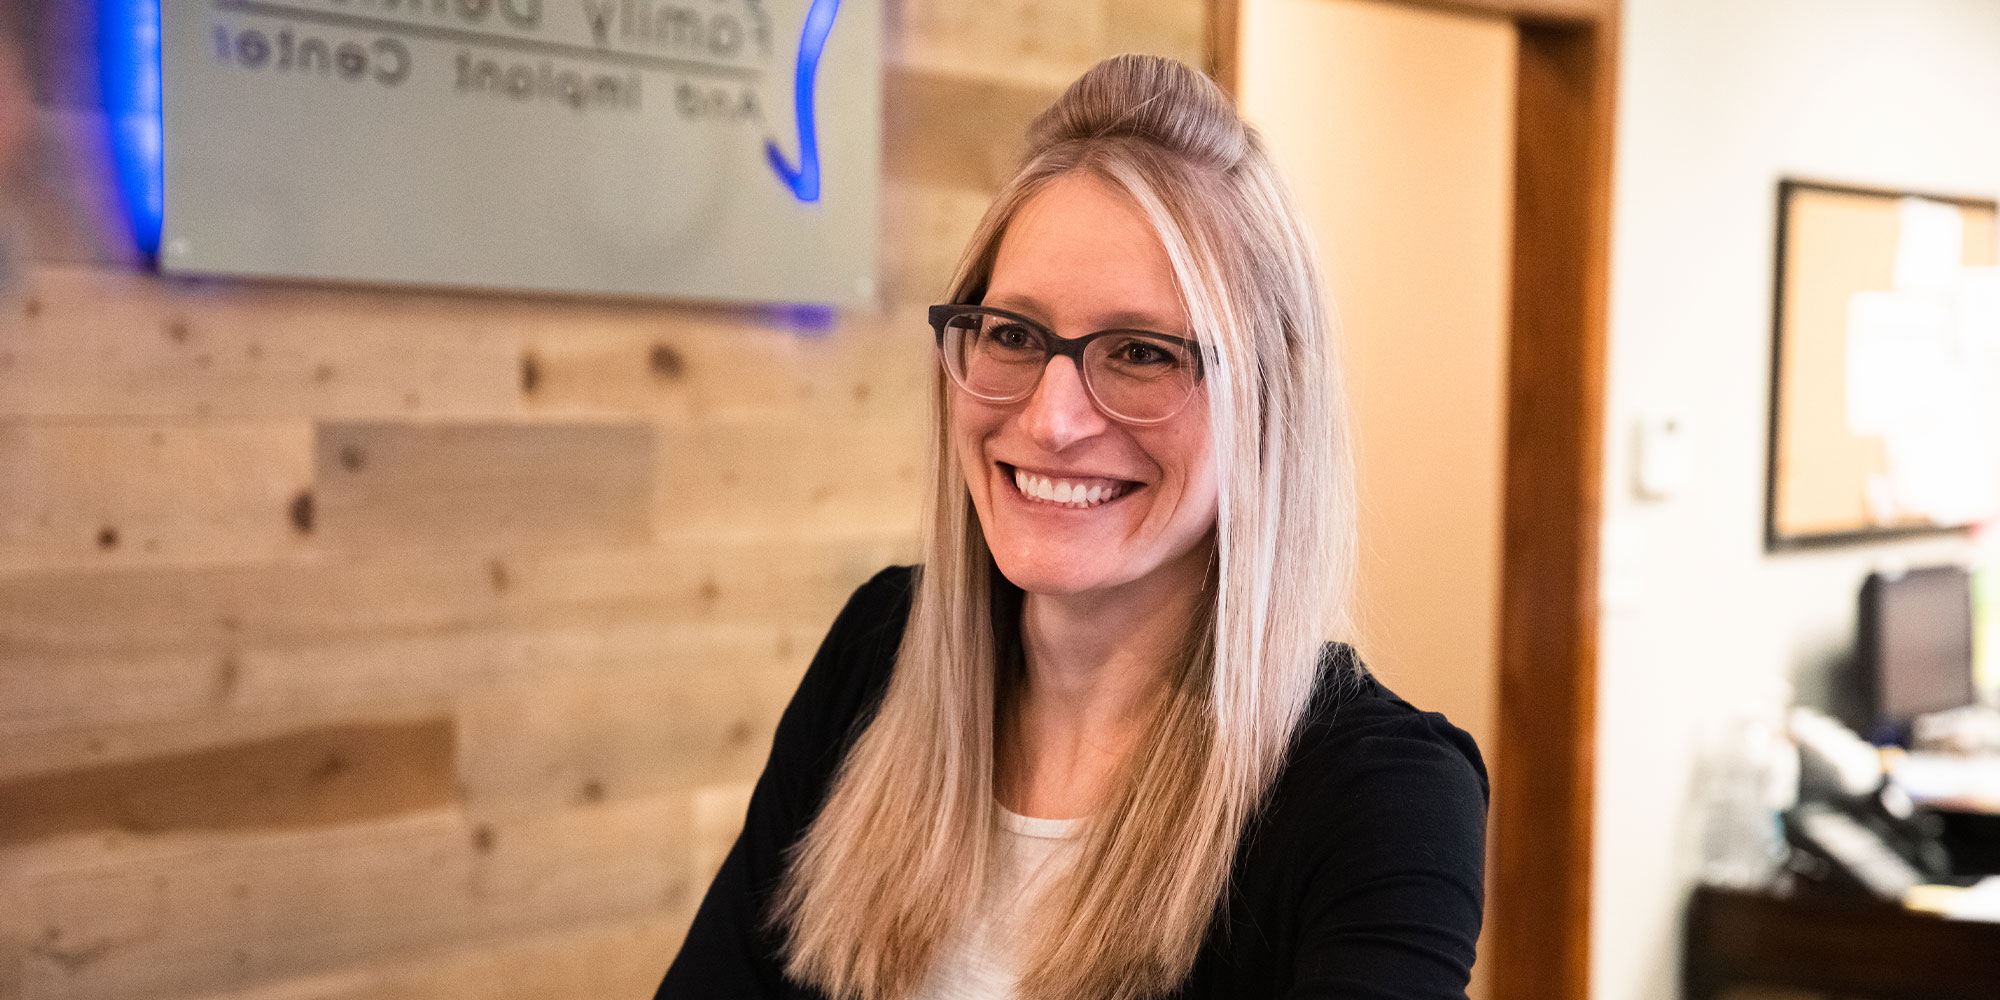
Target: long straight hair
{"type": "Point", "coordinates": [895, 860]}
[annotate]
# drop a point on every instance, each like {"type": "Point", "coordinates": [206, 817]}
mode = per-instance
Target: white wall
{"type": "Point", "coordinates": [1718, 99]}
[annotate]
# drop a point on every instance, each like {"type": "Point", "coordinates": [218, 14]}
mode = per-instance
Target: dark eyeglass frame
{"type": "Point", "coordinates": [1058, 346]}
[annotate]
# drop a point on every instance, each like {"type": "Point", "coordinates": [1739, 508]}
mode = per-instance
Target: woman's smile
{"type": "Point", "coordinates": [1072, 491]}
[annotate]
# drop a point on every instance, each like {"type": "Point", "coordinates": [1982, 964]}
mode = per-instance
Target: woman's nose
{"type": "Point", "coordinates": [1060, 412]}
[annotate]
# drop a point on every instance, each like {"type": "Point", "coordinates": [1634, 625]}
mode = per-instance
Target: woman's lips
{"type": "Point", "coordinates": [1074, 492]}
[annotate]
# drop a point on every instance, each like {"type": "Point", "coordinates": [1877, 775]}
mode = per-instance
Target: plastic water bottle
{"type": "Point", "coordinates": [1749, 773]}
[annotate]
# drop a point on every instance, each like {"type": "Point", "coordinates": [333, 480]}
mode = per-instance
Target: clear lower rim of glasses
{"type": "Point", "coordinates": [1096, 400]}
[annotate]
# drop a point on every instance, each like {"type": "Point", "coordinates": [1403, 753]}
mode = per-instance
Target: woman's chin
{"type": "Point", "coordinates": [1057, 577]}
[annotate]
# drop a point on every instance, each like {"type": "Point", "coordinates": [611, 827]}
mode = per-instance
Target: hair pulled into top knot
{"type": "Point", "coordinates": [890, 871]}
{"type": "Point", "coordinates": [1149, 98]}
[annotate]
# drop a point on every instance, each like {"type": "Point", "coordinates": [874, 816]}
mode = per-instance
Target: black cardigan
{"type": "Point", "coordinates": [1361, 879]}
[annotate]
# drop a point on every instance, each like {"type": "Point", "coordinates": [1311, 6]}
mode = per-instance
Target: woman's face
{"type": "Point", "coordinates": [1079, 257]}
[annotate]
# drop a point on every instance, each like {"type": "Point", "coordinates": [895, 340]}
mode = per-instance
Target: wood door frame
{"type": "Point", "coordinates": [1538, 920]}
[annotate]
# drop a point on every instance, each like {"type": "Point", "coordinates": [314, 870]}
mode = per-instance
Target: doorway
{"type": "Point", "coordinates": [1455, 157]}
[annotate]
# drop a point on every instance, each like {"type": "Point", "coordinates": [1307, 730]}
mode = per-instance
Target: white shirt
{"type": "Point", "coordinates": [1024, 855]}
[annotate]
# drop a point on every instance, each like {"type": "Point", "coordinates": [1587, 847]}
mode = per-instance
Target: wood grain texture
{"type": "Point", "coordinates": [85, 341]}
{"type": "Point", "coordinates": [94, 342]}
{"type": "Point", "coordinates": [128, 917]}
{"type": "Point", "coordinates": [777, 577]}
{"type": "Point", "coordinates": [86, 495]}
{"type": "Point", "coordinates": [920, 251]}
{"type": "Point", "coordinates": [616, 959]}
{"type": "Point", "coordinates": [1541, 851]}
{"type": "Point", "coordinates": [333, 774]}
{"type": "Point", "coordinates": [64, 748]}
{"type": "Point", "coordinates": [718, 816]}
{"type": "Point", "coordinates": [668, 725]}
{"type": "Point", "coordinates": [1041, 43]}
{"type": "Point", "coordinates": [392, 485]}
{"type": "Point", "coordinates": [1223, 49]}
{"type": "Point", "coordinates": [328, 673]}
{"type": "Point", "coordinates": [958, 131]}
{"type": "Point", "coordinates": [734, 481]}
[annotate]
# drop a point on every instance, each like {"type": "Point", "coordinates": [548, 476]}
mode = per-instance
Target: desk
{"type": "Point", "coordinates": [1848, 947]}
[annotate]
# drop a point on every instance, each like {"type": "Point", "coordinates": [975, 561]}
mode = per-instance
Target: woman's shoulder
{"type": "Point", "coordinates": [879, 607]}
{"type": "Point", "coordinates": [860, 647]}
{"type": "Point", "coordinates": [1366, 864]}
{"type": "Point", "coordinates": [1362, 744]}
{"type": "Point", "coordinates": [849, 673]}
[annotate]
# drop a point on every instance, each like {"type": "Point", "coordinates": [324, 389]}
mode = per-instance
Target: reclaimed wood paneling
{"type": "Point", "coordinates": [84, 341]}
{"type": "Point", "coordinates": [741, 481]}
{"type": "Point", "coordinates": [179, 916]}
{"type": "Point", "coordinates": [936, 221]}
{"type": "Point", "coordinates": [70, 748]}
{"type": "Point", "coordinates": [620, 733]}
{"type": "Point", "coordinates": [539, 572]}
{"type": "Point", "coordinates": [1043, 43]}
{"type": "Point", "coordinates": [598, 960]}
{"type": "Point", "coordinates": [359, 671]}
{"type": "Point", "coordinates": [384, 485]}
{"type": "Point", "coordinates": [86, 495]}
{"type": "Point", "coordinates": [780, 576]}
{"type": "Point", "coordinates": [321, 776]}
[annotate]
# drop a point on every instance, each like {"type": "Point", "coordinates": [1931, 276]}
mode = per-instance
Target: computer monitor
{"type": "Point", "coordinates": [1915, 641]}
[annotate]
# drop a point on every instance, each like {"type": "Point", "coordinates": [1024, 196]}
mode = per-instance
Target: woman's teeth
{"type": "Point", "coordinates": [1061, 491]}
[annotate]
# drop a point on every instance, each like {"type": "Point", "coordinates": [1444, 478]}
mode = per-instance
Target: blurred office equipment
{"type": "Point", "coordinates": [1914, 642]}
{"type": "Point", "coordinates": [1853, 830]}
{"type": "Point", "coordinates": [1891, 881]}
{"type": "Point", "coordinates": [1749, 774]}
{"type": "Point", "coordinates": [1986, 615]}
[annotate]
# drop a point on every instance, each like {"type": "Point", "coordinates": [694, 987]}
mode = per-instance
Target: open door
{"type": "Point", "coordinates": [1456, 157]}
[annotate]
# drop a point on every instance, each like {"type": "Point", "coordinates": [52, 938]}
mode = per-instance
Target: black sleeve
{"type": "Point", "coordinates": [729, 950]}
{"type": "Point", "coordinates": [1393, 901]}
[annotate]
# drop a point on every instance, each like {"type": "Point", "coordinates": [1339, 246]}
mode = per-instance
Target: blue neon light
{"type": "Point", "coordinates": [128, 52]}
{"type": "Point", "coordinates": [804, 179]}
{"type": "Point", "coordinates": [803, 318]}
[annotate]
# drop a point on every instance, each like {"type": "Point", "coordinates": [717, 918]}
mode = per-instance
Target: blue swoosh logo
{"type": "Point", "coordinates": [128, 46]}
{"type": "Point", "coordinates": [804, 178]}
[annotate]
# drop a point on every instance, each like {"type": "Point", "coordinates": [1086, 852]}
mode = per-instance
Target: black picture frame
{"type": "Point", "coordinates": [1775, 538]}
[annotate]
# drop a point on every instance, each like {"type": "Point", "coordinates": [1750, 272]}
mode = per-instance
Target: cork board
{"type": "Point", "coordinates": [1867, 314]}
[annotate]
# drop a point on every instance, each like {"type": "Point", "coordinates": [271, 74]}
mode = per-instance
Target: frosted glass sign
{"type": "Point", "coordinates": [718, 149]}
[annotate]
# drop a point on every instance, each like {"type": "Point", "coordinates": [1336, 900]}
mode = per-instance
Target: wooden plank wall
{"type": "Point", "coordinates": [391, 644]}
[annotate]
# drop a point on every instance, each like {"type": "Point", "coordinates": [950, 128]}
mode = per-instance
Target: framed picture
{"type": "Point", "coordinates": [1885, 365]}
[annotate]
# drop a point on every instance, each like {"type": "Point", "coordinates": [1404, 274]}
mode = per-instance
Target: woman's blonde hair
{"type": "Point", "coordinates": [894, 862]}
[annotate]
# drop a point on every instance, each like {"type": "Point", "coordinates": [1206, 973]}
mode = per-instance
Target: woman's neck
{"type": "Point", "coordinates": [1096, 667]}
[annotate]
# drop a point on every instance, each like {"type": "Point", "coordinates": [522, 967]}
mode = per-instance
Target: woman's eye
{"type": "Point", "coordinates": [1138, 352]}
{"type": "Point", "coordinates": [1012, 336]}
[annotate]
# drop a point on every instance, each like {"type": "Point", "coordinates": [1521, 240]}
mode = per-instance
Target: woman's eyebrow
{"type": "Point", "coordinates": [1150, 322]}
{"type": "Point", "coordinates": [1021, 303]}
{"type": "Point", "coordinates": [1027, 305]}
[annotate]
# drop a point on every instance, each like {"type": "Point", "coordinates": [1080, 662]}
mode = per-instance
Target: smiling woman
{"type": "Point", "coordinates": [1081, 256]}
{"type": "Point", "coordinates": [1098, 746]}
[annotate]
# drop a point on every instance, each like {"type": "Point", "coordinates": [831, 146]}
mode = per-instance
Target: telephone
{"type": "Point", "coordinates": [1852, 828]}
{"type": "Point", "coordinates": [1851, 848]}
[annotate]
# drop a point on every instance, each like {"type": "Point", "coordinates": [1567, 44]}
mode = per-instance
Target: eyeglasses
{"type": "Point", "coordinates": [997, 356]}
